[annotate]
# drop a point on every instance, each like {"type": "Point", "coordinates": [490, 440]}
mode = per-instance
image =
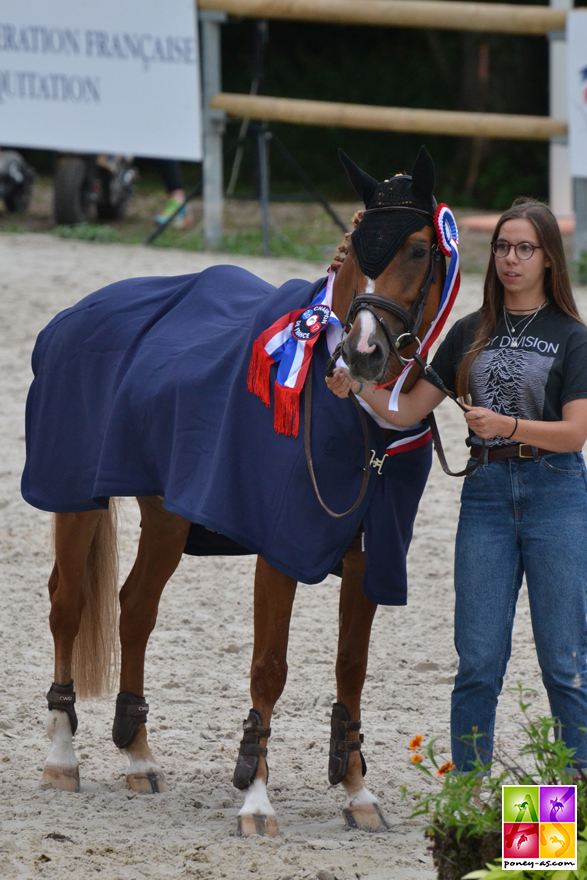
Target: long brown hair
{"type": "Point", "coordinates": [557, 285]}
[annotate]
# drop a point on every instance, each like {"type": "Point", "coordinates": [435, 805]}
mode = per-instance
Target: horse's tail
{"type": "Point", "coordinates": [95, 650]}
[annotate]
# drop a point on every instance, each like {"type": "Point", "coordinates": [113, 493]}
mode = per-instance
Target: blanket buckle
{"type": "Point", "coordinates": [375, 462]}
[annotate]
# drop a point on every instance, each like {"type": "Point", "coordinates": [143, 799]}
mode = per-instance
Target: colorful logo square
{"type": "Point", "coordinates": [557, 841]}
{"type": "Point", "coordinates": [521, 803]}
{"type": "Point", "coordinates": [557, 803]}
{"type": "Point", "coordinates": [539, 827]}
{"type": "Point", "coordinates": [521, 841]}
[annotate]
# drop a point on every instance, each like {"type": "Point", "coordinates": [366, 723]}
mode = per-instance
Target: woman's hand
{"type": "Point", "coordinates": [488, 424]}
{"type": "Point", "coordinates": [340, 383]}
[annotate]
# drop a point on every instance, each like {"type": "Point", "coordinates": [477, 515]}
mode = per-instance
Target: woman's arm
{"type": "Point", "coordinates": [568, 435]}
{"type": "Point", "coordinates": [413, 406]}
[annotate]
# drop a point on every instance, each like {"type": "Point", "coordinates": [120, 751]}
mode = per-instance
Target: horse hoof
{"type": "Point", "coordinates": [63, 778]}
{"type": "Point", "coordinates": [257, 824]}
{"type": "Point", "coordinates": [151, 782]}
{"type": "Point", "coordinates": [365, 817]}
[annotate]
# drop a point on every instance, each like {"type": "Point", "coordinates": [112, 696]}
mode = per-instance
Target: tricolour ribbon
{"type": "Point", "coordinates": [448, 240]}
{"type": "Point", "coordinates": [290, 342]}
{"type": "Point", "coordinates": [412, 438]}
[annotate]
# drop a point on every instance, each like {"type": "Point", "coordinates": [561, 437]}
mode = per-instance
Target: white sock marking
{"type": "Point", "coordinates": [256, 801]}
{"type": "Point", "coordinates": [61, 753]}
{"type": "Point", "coordinates": [363, 796]}
{"type": "Point", "coordinates": [139, 765]}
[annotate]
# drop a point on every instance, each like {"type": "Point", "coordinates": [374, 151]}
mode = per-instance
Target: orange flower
{"type": "Point", "coordinates": [416, 759]}
{"type": "Point", "coordinates": [446, 768]}
{"type": "Point", "coordinates": [416, 743]}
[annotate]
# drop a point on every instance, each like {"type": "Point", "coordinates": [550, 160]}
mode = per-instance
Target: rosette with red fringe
{"type": "Point", "coordinates": [289, 342]}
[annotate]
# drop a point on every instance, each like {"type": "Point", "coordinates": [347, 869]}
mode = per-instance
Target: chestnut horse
{"type": "Point", "coordinates": [388, 304]}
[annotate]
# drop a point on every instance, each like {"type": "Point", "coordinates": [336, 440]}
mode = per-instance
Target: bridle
{"type": "Point", "coordinates": [411, 318]}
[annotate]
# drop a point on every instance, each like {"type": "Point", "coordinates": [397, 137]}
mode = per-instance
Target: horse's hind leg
{"type": "Point", "coordinates": [162, 541]}
{"type": "Point", "coordinates": [274, 596]}
{"type": "Point", "coordinates": [74, 536]}
{"type": "Point", "coordinates": [346, 763]}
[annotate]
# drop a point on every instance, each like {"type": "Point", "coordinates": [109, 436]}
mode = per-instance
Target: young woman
{"type": "Point", "coordinates": [521, 362]}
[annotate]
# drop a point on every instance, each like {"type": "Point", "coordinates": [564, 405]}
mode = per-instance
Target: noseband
{"type": "Point", "coordinates": [411, 318]}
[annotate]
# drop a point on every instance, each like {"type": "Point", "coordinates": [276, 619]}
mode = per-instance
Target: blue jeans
{"type": "Point", "coordinates": [521, 516]}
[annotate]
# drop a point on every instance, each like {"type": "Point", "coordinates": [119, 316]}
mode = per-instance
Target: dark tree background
{"type": "Point", "coordinates": [406, 68]}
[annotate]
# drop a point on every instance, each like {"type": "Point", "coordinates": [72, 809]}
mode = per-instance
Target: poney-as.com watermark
{"type": "Point", "coordinates": [539, 827]}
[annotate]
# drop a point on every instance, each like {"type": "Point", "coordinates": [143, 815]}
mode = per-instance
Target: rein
{"type": "Point", "coordinates": [308, 444]}
{"type": "Point", "coordinates": [431, 419]}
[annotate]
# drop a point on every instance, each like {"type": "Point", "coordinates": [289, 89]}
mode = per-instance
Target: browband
{"type": "Point", "coordinates": [399, 208]}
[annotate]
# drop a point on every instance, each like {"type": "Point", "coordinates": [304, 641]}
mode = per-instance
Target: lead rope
{"type": "Point", "coordinates": [437, 381]}
{"type": "Point", "coordinates": [308, 443]}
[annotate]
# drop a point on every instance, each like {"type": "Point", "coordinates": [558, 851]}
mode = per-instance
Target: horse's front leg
{"type": "Point", "coordinates": [346, 762]}
{"type": "Point", "coordinates": [74, 535]}
{"type": "Point", "coordinates": [162, 541]}
{"type": "Point", "coordinates": [274, 596]}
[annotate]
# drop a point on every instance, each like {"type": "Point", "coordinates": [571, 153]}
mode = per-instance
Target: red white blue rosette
{"type": "Point", "coordinates": [446, 228]}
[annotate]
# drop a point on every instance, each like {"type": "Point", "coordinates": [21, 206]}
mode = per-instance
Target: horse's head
{"type": "Point", "coordinates": [387, 290]}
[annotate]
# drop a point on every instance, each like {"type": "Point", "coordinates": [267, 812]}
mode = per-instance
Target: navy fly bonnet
{"type": "Point", "coordinates": [395, 209]}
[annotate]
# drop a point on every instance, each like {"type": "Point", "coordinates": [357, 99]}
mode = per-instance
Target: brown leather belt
{"type": "Point", "coordinates": [519, 450]}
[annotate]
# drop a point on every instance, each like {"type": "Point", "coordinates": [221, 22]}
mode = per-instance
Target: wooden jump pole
{"type": "Point", "coordinates": [448, 122]}
{"type": "Point", "coordinates": [435, 14]}
{"type": "Point", "coordinates": [503, 18]}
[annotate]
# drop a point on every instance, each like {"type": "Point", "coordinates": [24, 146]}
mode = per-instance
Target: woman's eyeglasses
{"type": "Point", "coordinates": [523, 250]}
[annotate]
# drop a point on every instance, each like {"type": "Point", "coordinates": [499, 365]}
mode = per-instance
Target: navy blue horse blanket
{"type": "Point", "coordinates": [141, 389]}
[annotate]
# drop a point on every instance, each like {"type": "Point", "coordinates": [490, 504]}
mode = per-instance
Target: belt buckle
{"type": "Point", "coordinates": [524, 446]}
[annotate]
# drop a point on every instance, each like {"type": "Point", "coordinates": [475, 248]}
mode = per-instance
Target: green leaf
{"type": "Point", "coordinates": [430, 752]}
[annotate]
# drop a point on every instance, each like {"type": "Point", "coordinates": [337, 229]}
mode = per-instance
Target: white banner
{"type": "Point", "coordinates": [577, 91]}
{"type": "Point", "coordinates": [114, 76]}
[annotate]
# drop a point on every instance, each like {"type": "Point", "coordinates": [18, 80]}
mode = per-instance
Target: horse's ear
{"type": "Point", "coordinates": [363, 184]}
{"type": "Point", "coordinates": [423, 174]}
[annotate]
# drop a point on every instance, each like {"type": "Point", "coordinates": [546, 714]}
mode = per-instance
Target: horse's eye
{"type": "Point", "coordinates": [419, 252]}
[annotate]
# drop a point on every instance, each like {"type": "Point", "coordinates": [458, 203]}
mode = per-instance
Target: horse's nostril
{"type": "Point", "coordinates": [365, 367]}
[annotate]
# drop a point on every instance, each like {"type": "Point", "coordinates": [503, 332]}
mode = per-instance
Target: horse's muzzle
{"type": "Point", "coordinates": [366, 366]}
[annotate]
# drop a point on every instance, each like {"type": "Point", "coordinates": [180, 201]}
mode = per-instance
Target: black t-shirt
{"type": "Point", "coordinates": [530, 376]}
